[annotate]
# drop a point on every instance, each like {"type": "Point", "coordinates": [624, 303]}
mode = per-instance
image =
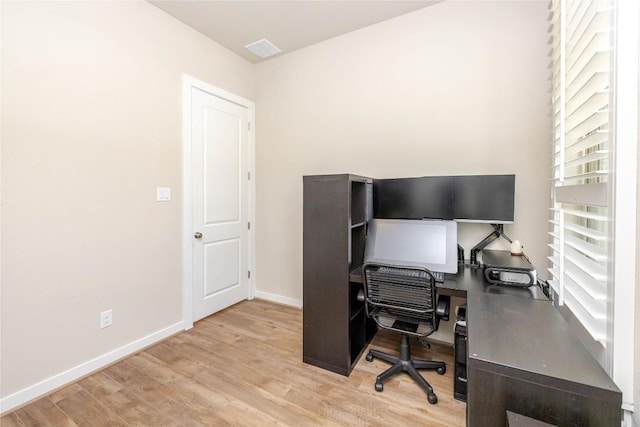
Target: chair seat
{"type": "Point", "coordinates": [401, 324]}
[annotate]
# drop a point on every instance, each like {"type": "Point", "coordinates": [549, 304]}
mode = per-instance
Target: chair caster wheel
{"type": "Point", "coordinates": [379, 387]}
{"type": "Point", "coordinates": [369, 357]}
{"type": "Point", "coordinates": [433, 399]}
{"type": "Point", "coordinates": [441, 371]}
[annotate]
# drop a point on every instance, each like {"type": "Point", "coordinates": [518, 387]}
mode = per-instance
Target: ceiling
{"type": "Point", "coordinates": [290, 25]}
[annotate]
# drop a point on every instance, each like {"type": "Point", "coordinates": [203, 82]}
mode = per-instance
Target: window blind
{"type": "Point", "coordinates": [580, 57]}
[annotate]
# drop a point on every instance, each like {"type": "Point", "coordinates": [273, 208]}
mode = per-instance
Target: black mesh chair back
{"type": "Point", "coordinates": [402, 299]}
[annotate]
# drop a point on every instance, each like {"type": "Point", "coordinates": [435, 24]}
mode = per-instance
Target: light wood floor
{"type": "Point", "coordinates": [243, 367]}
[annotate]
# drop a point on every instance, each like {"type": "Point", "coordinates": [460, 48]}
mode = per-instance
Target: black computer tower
{"type": "Point", "coordinates": [460, 362]}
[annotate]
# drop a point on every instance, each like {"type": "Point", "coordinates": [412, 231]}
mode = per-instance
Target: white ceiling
{"type": "Point", "coordinates": [290, 25]}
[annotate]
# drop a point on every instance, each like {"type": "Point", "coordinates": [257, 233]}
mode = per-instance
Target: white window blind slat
{"type": "Point", "coordinates": [588, 249]}
{"type": "Point", "coordinates": [591, 157]}
{"type": "Point", "coordinates": [595, 308]}
{"type": "Point", "coordinates": [599, 63]}
{"type": "Point", "coordinates": [599, 43]}
{"type": "Point", "coordinates": [598, 82]}
{"type": "Point", "coordinates": [575, 12]}
{"type": "Point", "coordinates": [587, 232]}
{"type": "Point", "coordinates": [595, 139]}
{"type": "Point", "coordinates": [554, 247]}
{"type": "Point", "coordinates": [594, 21]}
{"type": "Point", "coordinates": [586, 214]}
{"type": "Point", "coordinates": [579, 177]}
{"type": "Point", "coordinates": [592, 123]}
{"type": "Point", "coordinates": [591, 268]}
{"type": "Point", "coordinates": [594, 325]}
{"type": "Point", "coordinates": [595, 163]}
{"type": "Point", "coordinates": [578, 109]}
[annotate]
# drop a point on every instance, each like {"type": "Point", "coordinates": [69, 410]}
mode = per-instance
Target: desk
{"type": "Point", "coordinates": [522, 357]}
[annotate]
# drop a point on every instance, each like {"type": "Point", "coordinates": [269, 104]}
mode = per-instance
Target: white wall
{"type": "Point", "coordinates": [456, 88]}
{"type": "Point", "coordinates": [91, 125]}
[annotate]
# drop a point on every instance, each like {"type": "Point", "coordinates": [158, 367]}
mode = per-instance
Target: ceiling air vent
{"type": "Point", "coordinates": [263, 48]}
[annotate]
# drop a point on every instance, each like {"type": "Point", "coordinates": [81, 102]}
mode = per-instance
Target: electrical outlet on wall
{"type": "Point", "coordinates": [106, 319]}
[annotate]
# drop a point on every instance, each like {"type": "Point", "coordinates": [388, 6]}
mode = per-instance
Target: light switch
{"type": "Point", "coordinates": [163, 194]}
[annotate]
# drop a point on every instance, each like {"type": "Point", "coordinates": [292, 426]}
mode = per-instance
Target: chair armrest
{"type": "Point", "coordinates": [443, 308]}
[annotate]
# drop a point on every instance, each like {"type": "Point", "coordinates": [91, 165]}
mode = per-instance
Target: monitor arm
{"type": "Point", "coordinates": [498, 231]}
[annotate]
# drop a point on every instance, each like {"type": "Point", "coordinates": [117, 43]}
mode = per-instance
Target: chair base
{"type": "Point", "coordinates": [405, 363]}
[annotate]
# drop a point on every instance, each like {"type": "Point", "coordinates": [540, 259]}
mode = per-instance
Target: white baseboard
{"type": "Point", "coordinates": [50, 384]}
{"type": "Point", "coordinates": [279, 299]}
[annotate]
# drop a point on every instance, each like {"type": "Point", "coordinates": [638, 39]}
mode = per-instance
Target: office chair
{"type": "Point", "coordinates": [402, 299]}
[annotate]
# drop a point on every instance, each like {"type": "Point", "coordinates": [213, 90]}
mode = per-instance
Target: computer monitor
{"type": "Point", "coordinates": [430, 244]}
{"type": "Point", "coordinates": [484, 198]}
{"type": "Point", "coordinates": [465, 198]}
{"type": "Point", "coordinates": [427, 197]}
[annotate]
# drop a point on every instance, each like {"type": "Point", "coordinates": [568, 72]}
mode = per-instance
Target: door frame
{"type": "Point", "coordinates": [188, 83]}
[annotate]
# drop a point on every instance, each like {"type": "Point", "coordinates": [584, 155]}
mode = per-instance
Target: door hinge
{"type": "Point", "coordinates": [248, 125]}
{"type": "Point", "coordinates": [249, 274]}
{"type": "Point", "coordinates": [248, 226]}
{"type": "Point", "coordinates": [249, 176]}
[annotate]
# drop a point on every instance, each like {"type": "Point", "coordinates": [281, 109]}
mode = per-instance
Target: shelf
{"type": "Point", "coordinates": [336, 329]}
{"type": "Point", "coordinates": [358, 239]}
{"type": "Point", "coordinates": [360, 195]}
{"type": "Point", "coordinates": [355, 275]}
{"type": "Point", "coordinates": [357, 335]}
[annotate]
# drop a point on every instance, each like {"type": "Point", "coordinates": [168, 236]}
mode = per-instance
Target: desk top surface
{"type": "Point", "coordinates": [509, 334]}
{"type": "Point", "coordinates": [471, 279]}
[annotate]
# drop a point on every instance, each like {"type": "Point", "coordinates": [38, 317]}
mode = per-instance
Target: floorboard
{"type": "Point", "coordinates": [243, 367]}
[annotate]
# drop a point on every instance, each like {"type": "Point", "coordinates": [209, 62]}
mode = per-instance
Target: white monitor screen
{"type": "Point", "coordinates": [421, 243]}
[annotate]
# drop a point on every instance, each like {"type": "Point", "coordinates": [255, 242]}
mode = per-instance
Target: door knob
{"type": "Point", "coordinates": [198, 235]}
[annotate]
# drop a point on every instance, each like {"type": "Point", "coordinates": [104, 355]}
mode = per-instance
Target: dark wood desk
{"type": "Point", "coordinates": [522, 357]}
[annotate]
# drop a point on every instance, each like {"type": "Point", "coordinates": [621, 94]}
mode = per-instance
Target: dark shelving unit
{"type": "Point", "coordinates": [336, 211]}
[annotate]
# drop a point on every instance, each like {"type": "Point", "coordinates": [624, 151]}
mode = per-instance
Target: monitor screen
{"type": "Point", "coordinates": [429, 197]}
{"type": "Point", "coordinates": [467, 198]}
{"type": "Point", "coordinates": [414, 243]}
{"type": "Point", "coordinates": [484, 198]}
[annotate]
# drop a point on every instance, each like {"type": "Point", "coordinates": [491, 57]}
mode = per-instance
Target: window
{"type": "Point", "coordinates": [594, 73]}
{"type": "Point", "coordinates": [581, 57]}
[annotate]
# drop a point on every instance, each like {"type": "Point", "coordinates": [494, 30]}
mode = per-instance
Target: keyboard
{"type": "Point", "coordinates": [437, 275]}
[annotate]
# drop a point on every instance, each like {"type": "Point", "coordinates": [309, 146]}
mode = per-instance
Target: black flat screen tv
{"type": "Point", "coordinates": [467, 198]}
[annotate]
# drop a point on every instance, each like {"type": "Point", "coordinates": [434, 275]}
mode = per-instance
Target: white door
{"type": "Point", "coordinates": [219, 156]}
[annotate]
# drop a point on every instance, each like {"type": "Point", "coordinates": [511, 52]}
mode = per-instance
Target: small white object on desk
{"type": "Point", "coordinates": [516, 248]}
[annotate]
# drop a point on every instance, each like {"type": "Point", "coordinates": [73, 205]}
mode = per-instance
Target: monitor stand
{"type": "Point", "coordinates": [498, 231]}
